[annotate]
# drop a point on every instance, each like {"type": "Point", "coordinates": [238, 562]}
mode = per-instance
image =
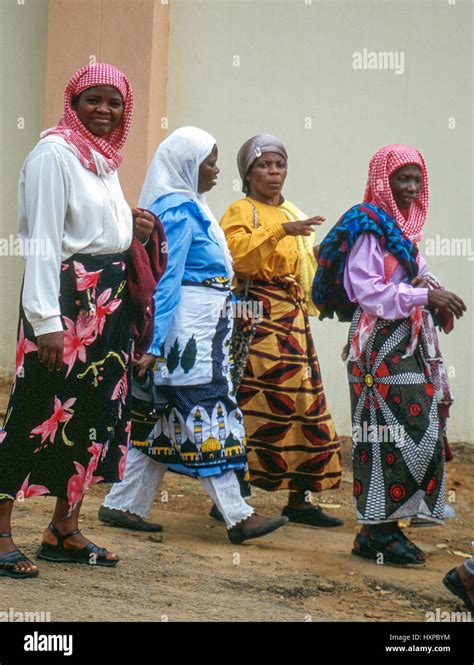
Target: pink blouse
{"type": "Point", "coordinates": [365, 285]}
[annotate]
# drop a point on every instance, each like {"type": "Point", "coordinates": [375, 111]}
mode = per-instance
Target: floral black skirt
{"type": "Point", "coordinates": [67, 430]}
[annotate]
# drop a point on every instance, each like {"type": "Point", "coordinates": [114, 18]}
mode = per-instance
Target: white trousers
{"type": "Point", "coordinates": [143, 477]}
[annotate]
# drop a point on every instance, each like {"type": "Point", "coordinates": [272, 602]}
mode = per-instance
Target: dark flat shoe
{"type": "Point", "coordinates": [237, 535]}
{"type": "Point", "coordinates": [454, 583]}
{"type": "Point", "coordinates": [8, 561]}
{"type": "Point", "coordinates": [390, 545]}
{"type": "Point", "coordinates": [90, 554]}
{"type": "Point", "coordinates": [216, 513]}
{"type": "Point", "coordinates": [313, 516]}
{"type": "Point", "coordinates": [118, 518]}
{"type": "Point", "coordinates": [7, 566]}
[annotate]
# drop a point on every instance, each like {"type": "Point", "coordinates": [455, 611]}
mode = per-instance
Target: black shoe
{"type": "Point", "coordinates": [453, 582]}
{"type": "Point", "coordinates": [89, 555]}
{"type": "Point", "coordinates": [216, 513]}
{"type": "Point", "coordinates": [118, 518]}
{"type": "Point", "coordinates": [237, 535]}
{"type": "Point", "coordinates": [313, 516]}
{"type": "Point", "coordinates": [393, 548]}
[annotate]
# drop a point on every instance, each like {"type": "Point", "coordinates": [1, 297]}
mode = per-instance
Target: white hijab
{"type": "Point", "coordinates": [174, 169]}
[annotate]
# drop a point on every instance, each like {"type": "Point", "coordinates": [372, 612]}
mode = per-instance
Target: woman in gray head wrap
{"type": "Point", "coordinates": [292, 442]}
{"type": "Point", "coordinates": [254, 148]}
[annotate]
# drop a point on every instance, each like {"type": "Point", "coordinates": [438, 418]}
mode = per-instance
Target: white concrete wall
{"type": "Point", "coordinates": [241, 67]}
{"type": "Point", "coordinates": [22, 63]}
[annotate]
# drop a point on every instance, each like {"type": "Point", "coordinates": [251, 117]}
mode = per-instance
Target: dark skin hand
{"type": "Point", "coordinates": [143, 224]}
{"type": "Point", "coordinates": [441, 299]}
{"type": "Point", "coordinates": [303, 227]}
{"type": "Point", "coordinates": [100, 109]}
{"type": "Point", "coordinates": [141, 366]}
{"type": "Point", "coordinates": [450, 302]}
{"type": "Point", "coordinates": [207, 178]}
{"type": "Point", "coordinates": [50, 350]}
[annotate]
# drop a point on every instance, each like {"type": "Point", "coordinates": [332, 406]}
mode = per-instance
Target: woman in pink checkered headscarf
{"type": "Point", "coordinates": [383, 165]}
{"type": "Point", "coordinates": [68, 419]}
{"type": "Point", "coordinates": [400, 395]}
{"type": "Point", "coordinates": [96, 140]}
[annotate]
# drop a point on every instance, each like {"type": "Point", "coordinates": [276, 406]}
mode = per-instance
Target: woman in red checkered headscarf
{"type": "Point", "coordinates": [68, 419]}
{"type": "Point", "coordinates": [399, 388]}
{"type": "Point", "coordinates": [96, 150]}
{"type": "Point", "coordinates": [371, 273]}
{"type": "Point", "coordinates": [378, 191]}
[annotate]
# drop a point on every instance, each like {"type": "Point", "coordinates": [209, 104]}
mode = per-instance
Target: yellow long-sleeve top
{"type": "Point", "coordinates": [263, 252]}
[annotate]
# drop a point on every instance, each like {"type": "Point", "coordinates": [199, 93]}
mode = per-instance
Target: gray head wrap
{"type": "Point", "coordinates": [253, 149]}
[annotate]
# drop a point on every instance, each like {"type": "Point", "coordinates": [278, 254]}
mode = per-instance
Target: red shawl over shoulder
{"type": "Point", "coordinates": [146, 265]}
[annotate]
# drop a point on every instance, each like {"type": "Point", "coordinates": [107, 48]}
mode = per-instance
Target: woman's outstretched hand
{"type": "Point", "coordinates": [441, 299]}
{"type": "Point", "coordinates": [51, 349]}
{"type": "Point", "coordinates": [302, 227]}
{"type": "Point", "coordinates": [143, 223]}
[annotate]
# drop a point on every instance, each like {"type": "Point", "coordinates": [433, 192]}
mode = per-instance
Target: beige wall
{"type": "Point", "coordinates": [22, 60]}
{"type": "Point", "coordinates": [131, 34]}
{"type": "Point", "coordinates": [295, 79]}
{"type": "Point", "coordinates": [237, 68]}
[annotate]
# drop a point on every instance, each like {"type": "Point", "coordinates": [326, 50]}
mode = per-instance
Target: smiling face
{"type": "Point", "coordinates": [266, 176]}
{"type": "Point", "coordinates": [405, 184]}
{"type": "Point", "coordinates": [100, 109]}
{"type": "Point", "coordinates": [208, 172]}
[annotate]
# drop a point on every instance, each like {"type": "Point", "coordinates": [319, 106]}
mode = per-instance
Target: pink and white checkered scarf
{"type": "Point", "coordinates": [383, 164]}
{"type": "Point", "coordinates": [98, 154]}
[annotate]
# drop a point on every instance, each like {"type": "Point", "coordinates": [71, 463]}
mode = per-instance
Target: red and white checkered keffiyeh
{"type": "Point", "coordinates": [98, 154]}
{"type": "Point", "coordinates": [385, 162]}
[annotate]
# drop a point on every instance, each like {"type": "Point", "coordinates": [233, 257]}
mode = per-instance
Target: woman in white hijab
{"type": "Point", "coordinates": [201, 432]}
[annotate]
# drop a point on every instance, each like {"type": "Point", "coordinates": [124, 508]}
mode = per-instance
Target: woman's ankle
{"type": "Point", "coordinates": [298, 500]}
{"type": "Point", "coordinates": [388, 527]}
{"type": "Point", "coordinates": [63, 526]}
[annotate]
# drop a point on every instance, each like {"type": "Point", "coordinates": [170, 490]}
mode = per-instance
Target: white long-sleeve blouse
{"type": "Point", "coordinates": [64, 209]}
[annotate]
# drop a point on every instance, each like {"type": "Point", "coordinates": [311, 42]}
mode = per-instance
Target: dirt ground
{"type": "Point", "coordinates": [193, 573]}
